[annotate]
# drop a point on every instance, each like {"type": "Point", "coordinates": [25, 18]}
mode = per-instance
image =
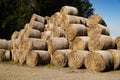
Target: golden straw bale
{"type": "Point", "coordinates": [98, 29]}
{"type": "Point", "coordinates": [49, 27]}
{"type": "Point", "coordinates": [8, 55]}
{"type": "Point", "coordinates": [58, 32]}
{"type": "Point", "coordinates": [57, 44]}
{"type": "Point", "coordinates": [76, 59]}
{"type": "Point", "coordinates": [117, 41]}
{"type": "Point", "coordinates": [116, 57]}
{"type": "Point", "coordinates": [69, 19]}
{"type": "Point", "coordinates": [46, 35]}
{"type": "Point", "coordinates": [37, 25]}
{"type": "Point", "coordinates": [5, 44]}
{"type": "Point", "coordinates": [57, 21]}
{"type": "Point", "coordinates": [22, 56]}
{"type": "Point", "coordinates": [69, 10]}
{"type": "Point", "coordinates": [101, 42]}
{"type": "Point", "coordinates": [38, 18]}
{"type": "Point", "coordinates": [75, 30]}
{"type": "Point", "coordinates": [15, 54]}
{"type": "Point", "coordinates": [80, 43]}
{"type": "Point", "coordinates": [99, 61]}
{"type": "Point", "coordinates": [95, 19]}
{"type": "Point", "coordinates": [37, 57]}
{"type": "Point", "coordinates": [32, 33]}
{"type": "Point", "coordinates": [60, 57]}
{"type": "Point", "coordinates": [14, 35]}
{"type": "Point", "coordinates": [36, 44]}
{"type": "Point", "coordinates": [21, 34]}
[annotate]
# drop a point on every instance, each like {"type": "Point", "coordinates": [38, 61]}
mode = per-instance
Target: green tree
{"type": "Point", "coordinates": [14, 14]}
{"type": "Point", "coordinates": [48, 7]}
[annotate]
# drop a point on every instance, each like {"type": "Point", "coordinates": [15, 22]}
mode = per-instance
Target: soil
{"type": "Point", "coordinates": [22, 72]}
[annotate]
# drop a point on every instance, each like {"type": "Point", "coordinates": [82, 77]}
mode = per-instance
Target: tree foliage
{"type": "Point", "coordinates": [14, 14]}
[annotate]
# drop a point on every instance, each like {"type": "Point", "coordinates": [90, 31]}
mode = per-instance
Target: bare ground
{"type": "Point", "coordinates": [19, 72]}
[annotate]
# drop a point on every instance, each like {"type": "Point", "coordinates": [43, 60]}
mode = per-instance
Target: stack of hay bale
{"type": "Point", "coordinates": [66, 26]}
{"type": "Point", "coordinates": [100, 58]}
{"type": "Point", "coordinates": [66, 40]}
{"type": "Point", "coordinates": [28, 47]}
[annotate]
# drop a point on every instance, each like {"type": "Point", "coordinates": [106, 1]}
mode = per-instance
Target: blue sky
{"type": "Point", "coordinates": [110, 12]}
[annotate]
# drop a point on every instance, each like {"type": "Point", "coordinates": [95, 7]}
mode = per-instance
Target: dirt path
{"type": "Point", "coordinates": [18, 72]}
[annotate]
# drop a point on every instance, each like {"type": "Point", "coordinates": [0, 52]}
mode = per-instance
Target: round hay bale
{"type": "Point", "coordinates": [32, 33]}
{"type": "Point", "coordinates": [95, 19]}
{"type": "Point", "coordinates": [13, 38]}
{"type": "Point", "coordinates": [38, 18]}
{"type": "Point", "coordinates": [2, 55]}
{"type": "Point", "coordinates": [22, 56]}
{"type": "Point", "coordinates": [57, 21]}
{"type": "Point", "coordinates": [49, 27]}
{"type": "Point", "coordinates": [60, 57]}
{"type": "Point", "coordinates": [8, 55]}
{"type": "Point", "coordinates": [75, 30]}
{"type": "Point", "coordinates": [5, 44]}
{"type": "Point", "coordinates": [76, 59]}
{"type": "Point", "coordinates": [37, 25]}
{"type": "Point", "coordinates": [16, 44]}
{"type": "Point", "coordinates": [15, 53]}
{"type": "Point", "coordinates": [98, 29]}
{"type": "Point", "coordinates": [69, 19]}
{"type": "Point", "coordinates": [36, 44]}
{"type": "Point", "coordinates": [49, 19]}
{"type": "Point", "coordinates": [116, 57]}
{"type": "Point", "coordinates": [80, 43]}
{"type": "Point", "coordinates": [99, 61]}
{"type": "Point", "coordinates": [58, 32]}
{"type": "Point", "coordinates": [37, 57]}
{"type": "Point", "coordinates": [46, 35]}
{"type": "Point", "coordinates": [21, 34]}
{"type": "Point", "coordinates": [14, 35]}
{"type": "Point", "coordinates": [101, 42]}
{"type": "Point", "coordinates": [117, 41]}
{"type": "Point", "coordinates": [57, 44]}
{"type": "Point", "coordinates": [69, 10]}
{"type": "Point", "coordinates": [83, 21]}
{"type": "Point", "coordinates": [10, 46]}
